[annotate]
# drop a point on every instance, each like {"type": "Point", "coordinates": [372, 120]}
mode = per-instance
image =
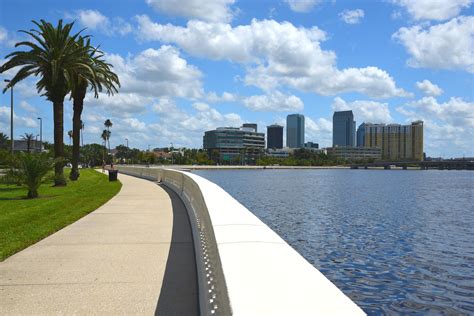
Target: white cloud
{"type": "Point", "coordinates": [274, 101]}
{"type": "Point", "coordinates": [274, 54]}
{"type": "Point", "coordinates": [429, 88]}
{"type": "Point", "coordinates": [434, 9]}
{"type": "Point", "coordinates": [186, 128]}
{"type": "Point", "coordinates": [302, 5]}
{"type": "Point", "coordinates": [121, 104]}
{"type": "Point", "coordinates": [209, 10]}
{"type": "Point", "coordinates": [94, 20]}
{"type": "Point", "coordinates": [8, 39]}
{"type": "Point", "coordinates": [134, 124]}
{"type": "Point", "coordinates": [158, 73]}
{"type": "Point", "coordinates": [28, 107]}
{"type": "Point", "coordinates": [352, 16]}
{"type": "Point", "coordinates": [455, 111]}
{"type": "Point", "coordinates": [3, 34]}
{"type": "Point", "coordinates": [319, 131]}
{"type": "Point", "coordinates": [449, 126]}
{"type": "Point", "coordinates": [18, 121]}
{"type": "Point", "coordinates": [364, 110]}
{"type": "Point", "coordinates": [443, 46]}
{"type": "Point", "coordinates": [224, 97]}
{"type": "Point", "coordinates": [201, 106]}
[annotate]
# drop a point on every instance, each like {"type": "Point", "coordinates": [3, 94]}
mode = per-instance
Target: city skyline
{"type": "Point", "coordinates": [195, 85]}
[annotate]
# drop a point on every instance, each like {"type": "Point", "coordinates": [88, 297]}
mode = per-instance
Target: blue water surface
{"type": "Point", "coordinates": [394, 241]}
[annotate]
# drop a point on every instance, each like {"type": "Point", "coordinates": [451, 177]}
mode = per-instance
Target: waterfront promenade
{"type": "Point", "coordinates": [133, 255]}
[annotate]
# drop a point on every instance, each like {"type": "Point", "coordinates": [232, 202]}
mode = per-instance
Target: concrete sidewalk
{"type": "Point", "coordinates": [123, 258]}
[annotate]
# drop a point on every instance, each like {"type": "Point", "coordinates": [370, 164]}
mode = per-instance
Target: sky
{"type": "Point", "coordinates": [188, 66]}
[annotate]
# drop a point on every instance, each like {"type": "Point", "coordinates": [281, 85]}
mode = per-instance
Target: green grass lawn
{"type": "Point", "coordinates": [24, 222]}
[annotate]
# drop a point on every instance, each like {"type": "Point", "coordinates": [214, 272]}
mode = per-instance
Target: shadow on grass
{"type": "Point", "coordinates": [179, 292]}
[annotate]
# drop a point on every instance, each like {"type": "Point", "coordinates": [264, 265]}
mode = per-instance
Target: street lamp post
{"type": "Point", "coordinates": [126, 139]}
{"type": "Point", "coordinates": [41, 132]}
{"type": "Point", "coordinates": [11, 116]}
{"type": "Point", "coordinates": [36, 142]}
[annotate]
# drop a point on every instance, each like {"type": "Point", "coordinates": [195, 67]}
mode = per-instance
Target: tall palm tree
{"type": "Point", "coordinates": [69, 133]}
{"type": "Point", "coordinates": [105, 136]}
{"type": "Point", "coordinates": [54, 56]}
{"type": "Point", "coordinates": [29, 139]}
{"type": "Point", "coordinates": [98, 76]}
{"type": "Point", "coordinates": [108, 124]}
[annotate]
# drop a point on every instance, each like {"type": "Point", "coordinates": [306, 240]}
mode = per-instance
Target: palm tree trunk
{"type": "Point", "coordinates": [58, 109]}
{"type": "Point", "coordinates": [78, 105]}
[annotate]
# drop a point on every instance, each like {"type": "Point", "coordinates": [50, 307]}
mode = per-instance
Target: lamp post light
{"type": "Point", "coordinates": [41, 132]}
{"type": "Point", "coordinates": [11, 116]}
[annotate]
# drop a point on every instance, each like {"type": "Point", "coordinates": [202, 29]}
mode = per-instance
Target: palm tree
{"type": "Point", "coordinates": [55, 57]}
{"type": "Point", "coordinates": [98, 76]}
{"type": "Point", "coordinates": [30, 170]}
{"type": "Point", "coordinates": [105, 136]}
{"type": "Point", "coordinates": [29, 139]}
{"type": "Point", "coordinates": [108, 124]}
{"type": "Point", "coordinates": [3, 141]}
{"type": "Point", "coordinates": [69, 133]}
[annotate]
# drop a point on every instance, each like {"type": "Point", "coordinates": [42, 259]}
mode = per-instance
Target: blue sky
{"type": "Point", "coordinates": [188, 66]}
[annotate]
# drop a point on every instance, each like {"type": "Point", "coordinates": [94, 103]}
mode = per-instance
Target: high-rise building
{"type": "Point", "coordinates": [234, 144]}
{"type": "Point", "coordinates": [275, 136]}
{"type": "Point", "coordinates": [361, 135]}
{"type": "Point", "coordinates": [343, 129]}
{"type": "Point", "coordinates": [397, 142]}
{"type": "Point", "coordinates": [295, 131]}
{"type": "Point", "coordinates": [250, 125]}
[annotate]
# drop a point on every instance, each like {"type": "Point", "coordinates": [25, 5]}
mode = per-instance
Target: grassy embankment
{"type": "Point", "coordinates": [24, 222]}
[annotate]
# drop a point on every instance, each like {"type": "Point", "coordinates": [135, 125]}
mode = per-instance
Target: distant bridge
{"type": "Point", "coordinates": [455, 164]}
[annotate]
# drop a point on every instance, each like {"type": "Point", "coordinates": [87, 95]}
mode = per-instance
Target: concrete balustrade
{"type": "Point", "coordinates": [245, 268]}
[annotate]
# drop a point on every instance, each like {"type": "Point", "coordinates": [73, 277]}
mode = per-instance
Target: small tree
{"type": "Point", "coordinates": [108, 124]}
{"type": "Point", "coordinates": [3, 141]}
{"type": "Point", "coordinates": [28, 138]}
{"type": "Point", "coordinates": [30, 170]}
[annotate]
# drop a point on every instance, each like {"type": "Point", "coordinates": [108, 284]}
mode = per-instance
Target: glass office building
{"type": "Point", "coordinates": [275, 136]}
{"type": "Point", "coordinates": [343, 129]}
{"type": "Point", "coordinates": [234, 144]}
{"type": "Point", "coordinates": [295, 131]}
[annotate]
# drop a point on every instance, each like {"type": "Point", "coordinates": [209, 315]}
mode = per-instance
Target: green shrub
{"type": "Point", "coordinates": [30, 170]}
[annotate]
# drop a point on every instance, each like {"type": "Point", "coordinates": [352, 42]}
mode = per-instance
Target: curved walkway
{"type": "Point", "coordinates": [133, 255]}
